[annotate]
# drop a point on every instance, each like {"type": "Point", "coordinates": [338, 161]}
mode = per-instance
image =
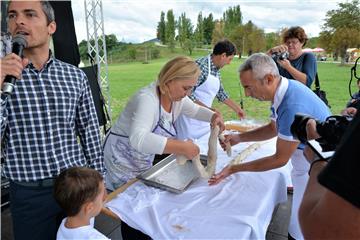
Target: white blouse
{"type": "Point", "coordinates": [141, 115]}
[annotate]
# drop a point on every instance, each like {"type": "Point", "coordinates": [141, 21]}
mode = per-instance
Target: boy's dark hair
{"type": "Point", "coordinates": [76, 186]}
{"type": "Point", "coordinates": [224, 46]}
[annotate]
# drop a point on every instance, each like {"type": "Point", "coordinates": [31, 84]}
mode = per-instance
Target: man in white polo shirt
{"type": "Point", "coordinates": [261, 80]}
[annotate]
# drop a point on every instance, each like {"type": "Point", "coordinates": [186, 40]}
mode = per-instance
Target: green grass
{"type": "Point", "coordinates": [126, 79]}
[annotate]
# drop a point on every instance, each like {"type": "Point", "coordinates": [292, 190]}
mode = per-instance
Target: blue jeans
{"type": "Point", "coordinates": [35, 213]}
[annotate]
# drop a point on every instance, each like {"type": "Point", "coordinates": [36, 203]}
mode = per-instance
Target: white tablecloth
{"type": "Point", "coordinates": [240, 207]}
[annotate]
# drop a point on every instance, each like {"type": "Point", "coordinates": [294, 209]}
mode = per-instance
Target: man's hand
{"type": "Point", "coordinates": [233, 139]}
{"type": "Point", "coordinates": [12, 65]}
{"type": "Point", "coordinates": [216, 178]}
{"type": "Point", "coordinates": [309, 154]}
{"type": "Point", "coordinates": [240, 113]}
{"type": "Point", "coordinates": [350, 111]}
{"type": "Point", "coordinates": [311, 132]}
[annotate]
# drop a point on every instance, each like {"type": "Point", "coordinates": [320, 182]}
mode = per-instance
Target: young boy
{"type": "Point", "coordinates": [80, 191]}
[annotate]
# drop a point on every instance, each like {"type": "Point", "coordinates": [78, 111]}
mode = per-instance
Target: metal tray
{"type": "Point", "coordinates": [170, 176]}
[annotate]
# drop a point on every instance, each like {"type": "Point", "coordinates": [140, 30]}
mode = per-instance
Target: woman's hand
{"type": "Point", "coordinates": [217, 119]}
{"type": "Point", "coordinates": [285, 63]}
{"type": "Point", "coordinates": [278, 49]}
{"type": "Point", "coordinates": [191, 150]}
{"type": "Point", "coordinates": [216, 178]}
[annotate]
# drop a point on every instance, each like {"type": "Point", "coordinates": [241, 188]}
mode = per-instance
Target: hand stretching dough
{"type": "Point", "coordinates": [212, 156]}
{"type": "Point", "coordinates": [227, 146]}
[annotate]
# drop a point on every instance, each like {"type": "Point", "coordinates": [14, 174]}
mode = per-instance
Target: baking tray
{"type": "Point", "coordinates": [170, 176]}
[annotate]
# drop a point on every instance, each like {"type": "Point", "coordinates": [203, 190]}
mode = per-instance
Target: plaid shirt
{"type": "Point", "coordinates": [49, 124]}
{"type": "Point", "coordinates": [204, 67]}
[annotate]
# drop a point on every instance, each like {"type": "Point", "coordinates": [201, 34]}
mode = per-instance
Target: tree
{"type": "Point", "coordinates": [83, 49]}
{"type": "Point", "coordinates": [272, 39]}
{"type": "Point", "coordinates": [111, 41]}
{"type": "Point", "coordinates": [237, 37]}
{"type": "Point", "coordinates": [170, 29]}
{"type": "Point", "coordinates": [185, 29]}
{"type": "Point", "coordinates": [342, 28]}
{"type": "Point", "coordinates": [199, 31]}
{"type": "Point", "coordinates": [313, 42]}
{"type": "Point", "coordinates": [161, 29]}
{"type": "Point", "coordinates": [209, 26]}
{"type": "Point", "coordinates": [189, 45]}
{"type": "Point", "coordinates": [218, 32]}
{"type": "Point", "coordinates": [232, 18]}
{"type": "Point", "coordinates": [254, 38]}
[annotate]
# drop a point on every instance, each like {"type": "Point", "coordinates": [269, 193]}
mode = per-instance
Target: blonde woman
{"type": "Point", "coordinates": [146, 125]}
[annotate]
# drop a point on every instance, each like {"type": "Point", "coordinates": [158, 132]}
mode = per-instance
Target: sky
{"type": "Point", "coordinates": [135, 21]}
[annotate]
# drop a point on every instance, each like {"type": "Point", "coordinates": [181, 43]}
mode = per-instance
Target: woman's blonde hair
{"type": "Point", "coordinates": [178, 68]}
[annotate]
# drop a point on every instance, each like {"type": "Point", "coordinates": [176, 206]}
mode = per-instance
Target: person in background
{"type": "Point", "coordinates": [261, 80]}
{"type": "Point", "coordinates": [208, 87]}
{"type": "Point", "coordinates": [5, 44]}
{"type": "Point", "coordinates": [300, 66]}
{"type": "Point", "coordinates": [48, 123]}
{"type": "Point", "coordinates": [330, 208]}
{"type": "Point", "coordinates": [355, 98]}
{"type": "Point", "coordinates": [80, 192]}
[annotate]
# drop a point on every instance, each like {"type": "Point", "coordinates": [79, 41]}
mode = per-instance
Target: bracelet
{"type": "Point", "coordinates": [315, 161]}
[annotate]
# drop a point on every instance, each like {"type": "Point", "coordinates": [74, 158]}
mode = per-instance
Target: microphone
{"type": "Point", "coordinates": [18, 44]}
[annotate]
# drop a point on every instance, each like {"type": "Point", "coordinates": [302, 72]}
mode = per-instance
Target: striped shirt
{"type": "Point", "coordinates": [204, 67]}
{"type": "Point", "coordinates": [49, 124]}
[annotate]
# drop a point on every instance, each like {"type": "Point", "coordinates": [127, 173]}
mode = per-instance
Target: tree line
{"type": "Point", "coordinates": [340, 31]}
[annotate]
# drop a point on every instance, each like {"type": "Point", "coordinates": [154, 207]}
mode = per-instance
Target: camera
{"type": "Point", "coordinates": [276, 56]}
{"type": "Point", "coordinates": [331, 130]}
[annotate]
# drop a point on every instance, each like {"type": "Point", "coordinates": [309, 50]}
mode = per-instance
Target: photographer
{"type": "Point", "coordinates": [296, 64]}
{"type": "Point", "coordinates": [331, 204]}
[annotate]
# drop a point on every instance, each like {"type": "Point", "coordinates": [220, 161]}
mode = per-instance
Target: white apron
{"type": "Point", "coordinates": [299, 177]}
{"type": "Point", "coordinates": [123, 162]}
{"type": "Point", "coordinates": [189, 128]}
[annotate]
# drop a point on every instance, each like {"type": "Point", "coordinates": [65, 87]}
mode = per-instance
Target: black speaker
{"type": "Point", "coordinates": [100, 107]}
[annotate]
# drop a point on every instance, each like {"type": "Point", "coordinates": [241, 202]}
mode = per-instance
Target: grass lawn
{"type": "Point", "coordinates": [126, 79]}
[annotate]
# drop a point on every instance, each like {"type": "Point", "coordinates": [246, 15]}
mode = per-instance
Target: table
{"type": "Point", "coordinates": [240, 207]}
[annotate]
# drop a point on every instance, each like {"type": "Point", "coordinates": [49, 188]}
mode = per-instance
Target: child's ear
{"type": "Point", "coordinates": [88, 207]}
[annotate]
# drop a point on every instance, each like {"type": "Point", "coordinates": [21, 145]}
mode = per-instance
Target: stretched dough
{"type": "Point", "coordinates": [212, 156]}
{"type": "Point", "coordinates": [245, 153]}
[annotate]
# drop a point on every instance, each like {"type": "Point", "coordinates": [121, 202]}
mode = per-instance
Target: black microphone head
{"type": "Point", "coordinates": [20, 40]}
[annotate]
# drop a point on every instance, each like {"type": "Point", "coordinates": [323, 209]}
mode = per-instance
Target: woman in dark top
{"type": "Point", "coordinates": [299, 65]}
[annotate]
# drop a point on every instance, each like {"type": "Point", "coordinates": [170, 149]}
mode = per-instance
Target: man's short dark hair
{"type": "Point", "coordinates": [224, 46]}
{"type": "Point", "coordinates": [76, 186]}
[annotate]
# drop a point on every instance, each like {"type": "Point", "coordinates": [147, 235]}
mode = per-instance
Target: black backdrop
{"type": "Point", "coordinates": [64, 39]}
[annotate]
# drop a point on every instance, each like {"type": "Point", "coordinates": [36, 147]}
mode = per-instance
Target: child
{"type": "Point", "coordinates": [80, 191]}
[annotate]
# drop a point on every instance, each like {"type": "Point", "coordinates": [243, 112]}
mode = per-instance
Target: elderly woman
{"type": "Point", "coordinates": [146, 126]}
{"type": "Point", "coordinates": [300, 66]}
